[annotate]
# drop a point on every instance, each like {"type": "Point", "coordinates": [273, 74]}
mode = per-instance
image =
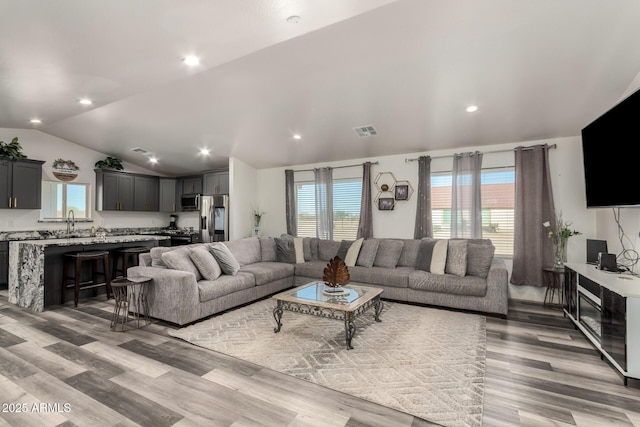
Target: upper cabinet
{"type": "Point", "coordinates": [167, 195]}
{"type": "Point", "coordinates": [146, 193]}
{"type": "Point", "coordinates": [216, 182]}
{"type": "Point", "coordinates": [191, 184]}
{"type": "Point", "coordinates": [20, 184]}
{"type": "Point", "coordinates": [114, 191]}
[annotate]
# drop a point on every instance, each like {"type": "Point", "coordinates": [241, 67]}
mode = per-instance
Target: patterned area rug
{"type": "Point", "coordinates": [426, 362]}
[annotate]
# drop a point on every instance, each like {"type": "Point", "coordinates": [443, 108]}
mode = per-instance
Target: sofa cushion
{"type": "Point", "coordinates": [432, 255]}
{"type": "Point", "coordinates": [448, 283]}
{"type": "Point", "coordinates": [368, 252]}
{"type": "Point", "coordinates": [245, 251]}
{"type": "Point", "coordinates": [205, 262]}
{"type": "Point", "coordinates": [298, 247]}
{"type": "Point", "coordinates": [375, 276]}
{"type": "Point", "coordinates": [388, 254]}
{"type": "Point", "coordinates": [310, 248]}
{"type": "Point", "coordinates": [479, 258]}
{"type": "Point", "coordinates": [224, 285]}
{"type": "Point", "coordinates": [225, 258]}
{"type": "Point", "coordinates": [267, 272]}
{"type": "Point", "coordinates": [311, 269]}
{"type": "Point", "coordinates": [178, 259]}
{"type": "Point", "coordinates": [156, 255]}
{"type": "Point", "coordinates": [327, 249]}
{"type": "Point", "coordinates": [456, 258]}
{"type": "Point", "coordinates": [409, 253]}
{"type": "Point", "coordinates": [285, 250]}
{"type": "Point", "coordinates": [267, 249]}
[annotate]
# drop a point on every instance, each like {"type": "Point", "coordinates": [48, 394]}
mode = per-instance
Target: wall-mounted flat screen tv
{"type": "Point", "coordinates": [611, 171]}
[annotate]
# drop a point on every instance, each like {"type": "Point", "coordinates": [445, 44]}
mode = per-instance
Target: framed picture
{"type": "Point", "coordinates": [402, 192]}
{"type": "Point", "coordinates": [386, 203]}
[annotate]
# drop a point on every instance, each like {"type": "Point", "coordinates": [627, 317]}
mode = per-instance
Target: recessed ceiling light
{"type": "Point", "coordinates": [205, 151]}
{"type": "Point", "coordinates": [472, 108]}
{"type": "Point", "coordinates": [35, 121]}
{"type": "Point", "coordinates": [191, 60]}
{"type": "Point", "coordinates": [297, 137]}
{"type": "Point", "coordinates": [153, 160]}
{"type": "Point", "coordinates": [85, 101]}
{"type": "Point", "coordinates": [293, 19]}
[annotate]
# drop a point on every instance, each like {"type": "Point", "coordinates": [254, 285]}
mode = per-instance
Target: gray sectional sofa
{"type": "Point", "coordinates": [473, 278]}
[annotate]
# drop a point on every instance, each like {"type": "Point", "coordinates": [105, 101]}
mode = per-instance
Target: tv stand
{"type": "Point", "coordinates": [606, 308]}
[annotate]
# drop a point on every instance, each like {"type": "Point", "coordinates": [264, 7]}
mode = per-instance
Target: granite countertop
{"type": "Point", "coordinates": [91, 240]}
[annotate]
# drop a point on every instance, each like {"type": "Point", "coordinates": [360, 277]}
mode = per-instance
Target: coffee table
{"type": "Point", "coordinates": [312, 299]}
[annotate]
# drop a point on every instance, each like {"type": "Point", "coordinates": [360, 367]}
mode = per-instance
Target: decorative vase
{"type": "Point", "coordinates": [559, 254]}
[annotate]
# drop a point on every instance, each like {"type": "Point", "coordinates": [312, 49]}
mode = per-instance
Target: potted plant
{"type": "Point", "coordinates": [12, 149]}
{"type": "Point", "coordinates": [110, 163]}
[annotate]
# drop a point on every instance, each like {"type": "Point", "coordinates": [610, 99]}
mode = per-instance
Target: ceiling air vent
{"type": "Point", "coordinates": [140, 150]}
{"type": "Point", "coordinates": [365, 131]}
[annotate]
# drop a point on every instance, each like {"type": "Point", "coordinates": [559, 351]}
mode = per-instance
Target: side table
{"type": "Point", "coordinates": [553, 278]}
{"type": "Point", "coordinates": [130, 293]}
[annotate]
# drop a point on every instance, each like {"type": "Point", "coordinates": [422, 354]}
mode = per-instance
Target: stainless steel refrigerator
{"type": "Point", "coordinates": [214, 218]}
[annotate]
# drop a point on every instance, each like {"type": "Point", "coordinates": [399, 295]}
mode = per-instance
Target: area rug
{"type": "Point", "coordinates": [423, 361]}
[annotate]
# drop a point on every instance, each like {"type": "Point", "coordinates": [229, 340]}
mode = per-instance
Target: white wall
{"type": "Point", "coordinates": [41, 146]}
{"type": "Point", "coordinates": [243, 193]}
{"type": "Point", "coordinates": [567, 180]}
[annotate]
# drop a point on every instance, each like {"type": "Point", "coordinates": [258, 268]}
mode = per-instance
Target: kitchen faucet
{"type": "Point", "coordinates": [71, 221]}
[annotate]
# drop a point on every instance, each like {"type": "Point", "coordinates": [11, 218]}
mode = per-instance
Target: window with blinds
{"type": "Point", "coordinates": [347, 194]}
{"type": "Point", "coordinates": [498, 203]}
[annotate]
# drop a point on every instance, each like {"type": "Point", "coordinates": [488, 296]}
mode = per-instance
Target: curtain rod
{"type": "Point", "coordinates": [486, 152]}
{"type": "Point", "coordinates": [336, 167]}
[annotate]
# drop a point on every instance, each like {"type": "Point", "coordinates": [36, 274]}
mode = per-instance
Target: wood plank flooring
{"type": "Point", "coordinates": [64, 367]}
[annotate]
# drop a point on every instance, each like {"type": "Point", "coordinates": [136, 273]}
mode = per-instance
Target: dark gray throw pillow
{"type": "Point", "coordinates": [479, 258]}
{"type": "Point", "coordinates": [285, 250]}
{"type": "Point", "coordinates": [432, 255]}
{"type": "Point", "coordinates": [344, 248]}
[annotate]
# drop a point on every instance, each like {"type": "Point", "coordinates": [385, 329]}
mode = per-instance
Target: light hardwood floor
{"type": "Point", "coordinates": [540, 371]}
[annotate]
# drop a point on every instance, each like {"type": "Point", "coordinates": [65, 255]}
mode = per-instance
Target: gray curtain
{"type": "Point", "coordinates": [324, 202]}
{"type": "Point", "coordinates": [466, 204]}
{"type": "Point", "coordinates": [424, 220]}
{"type": "Point", "coordinates": [532, 248]}
{"type": "Point", "coordinates": [290, 198]}
{"type": "Point", "coordinates": [365, 226]}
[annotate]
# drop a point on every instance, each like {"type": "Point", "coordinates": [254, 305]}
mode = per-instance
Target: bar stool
{"type": "Point", "coordinates": [77, 258]}
{"type": "Point", "coordinates": [125, 254]}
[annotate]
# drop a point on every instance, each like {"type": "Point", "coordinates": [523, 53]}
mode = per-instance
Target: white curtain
{"type": "Point", "coordinates": [466, 206]}
{"type": "Point", "coordinates": [324, 202]}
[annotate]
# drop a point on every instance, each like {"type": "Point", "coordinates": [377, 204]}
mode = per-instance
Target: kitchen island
{"type": "Point", "coordinates": [35, 266]}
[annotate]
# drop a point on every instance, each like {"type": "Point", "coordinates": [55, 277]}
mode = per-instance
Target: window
{"type": "Point", "coordinates": [347, 194]}
{"type": "Point", "coordinates": [58, 198]}
{"type": "Point", "coordinates": [498, 203]}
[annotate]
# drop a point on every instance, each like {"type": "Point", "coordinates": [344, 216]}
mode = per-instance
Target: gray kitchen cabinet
{"type": "Point", "coordinates": [191, 184]}
{"type": "Point", "coordinates": [4, 264]}
{"type": "Point", "coordinates": [114, 191]}
{"type": "Point", "coordinates": [216, 182]}
{"type": "Point", "coordinates": [167, 195]}
{"type": "Point", "coordinates": [145, 193]}
{"type": "Point", "coordinates": [20, 184]}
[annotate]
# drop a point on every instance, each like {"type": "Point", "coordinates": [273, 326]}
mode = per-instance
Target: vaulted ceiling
{"type": "Point", "coordinates": [536, 69]}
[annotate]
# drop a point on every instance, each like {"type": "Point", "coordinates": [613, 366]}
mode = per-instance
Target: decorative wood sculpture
{"type": "Point", "coordinates": [336, 273]}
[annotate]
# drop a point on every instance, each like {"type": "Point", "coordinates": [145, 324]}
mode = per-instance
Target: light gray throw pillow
{"type": "Point", "coordinates": [479, 258]}
{"type": "Point", "coordinates": [388, 253]}
{"type": "Point", "coordinates": [205, 262]}
{"type": "Point", "coordinates": [228, 263]}
{"type": "Point", "coordinates": [368, 252]}
{"type": "Point", "coordinates": [156, 255]}
{"type": "Point", "coordinates": [268, 249]}
{"type": "Point", "coordinates": [178, 259]}
{"type": "Point", "coordinates": [457, 258]}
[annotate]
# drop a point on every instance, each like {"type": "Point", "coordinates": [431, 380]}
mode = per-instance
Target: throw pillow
{"type": "Point", "coordinates": [228, 263]}
{"type": "Point", "coordinates": [205, 262]}
{"type": "Point", "coordinates": [267, 249]}
{"type": "Point", "coordinates": [479, 258]}
{"type": "Point", "coordinates": [352, 254]}
{"type": "Point", "coordinates": [432, 256]}
{"type": "Point", "coordinates": [388, 254]}
{"type": "Point", "coordinates": [368, 253]}
{"type": "Point", "coordinates": [327, 249]}
{"type": "Point", "coordinates": [298, 247]}
{"type": "Point", "coordinates": [457, 258]}
{"type": "Point", "coordinates": [285, 250]}
{"type": "Point", "coordinates": [344, 247]}
{"type": "Point", "coordinates": [178, 259]}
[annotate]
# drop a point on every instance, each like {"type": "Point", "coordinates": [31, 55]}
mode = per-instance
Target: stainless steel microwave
{"type": "Point", "coordinates": [190, 202]}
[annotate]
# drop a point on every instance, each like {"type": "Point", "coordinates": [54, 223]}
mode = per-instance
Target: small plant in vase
{"type": "Point", "coordinates": [559, 233]}
{"type": "Point", "coordinates": [11, 150]}
{"type": "Point", "coordinates": [110, 163]}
